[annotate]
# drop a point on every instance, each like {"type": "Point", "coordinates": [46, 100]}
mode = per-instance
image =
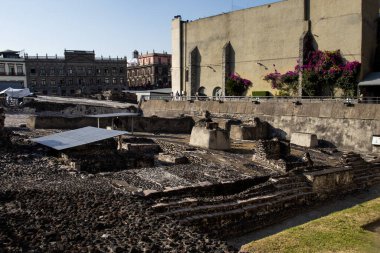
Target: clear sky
{"type": "Point", "coordinates": [110, 27]}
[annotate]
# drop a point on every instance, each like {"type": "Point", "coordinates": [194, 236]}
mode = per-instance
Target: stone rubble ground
{"type": "Point", "coordinates": [45, 208]}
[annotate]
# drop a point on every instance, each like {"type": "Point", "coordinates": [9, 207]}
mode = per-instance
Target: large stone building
{"type": "Point", "coordinates": [12, 70]}
{"type": "Point", "coordinates": [78, 72]}
{"type": "Point", "coordinates": [252, 42]}
{"type": "Point", "coordinates": [149, 71]}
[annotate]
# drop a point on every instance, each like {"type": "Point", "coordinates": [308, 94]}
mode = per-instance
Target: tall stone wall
{"type": "Point", "coordinates": [347, 127]}
{"type": "Point", "coordinates": [268, 38]}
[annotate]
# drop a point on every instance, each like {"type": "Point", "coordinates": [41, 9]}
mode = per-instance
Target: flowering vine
{"type": "Point", "coordinates": [321, 72]}
{"type": "Point", "coordinates": [236, 85]}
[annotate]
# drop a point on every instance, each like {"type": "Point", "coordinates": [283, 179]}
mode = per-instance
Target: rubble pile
{"type": "Point", "coordinates": [268, 152]}
{"type": "Point", "coordinates": [43, 208]}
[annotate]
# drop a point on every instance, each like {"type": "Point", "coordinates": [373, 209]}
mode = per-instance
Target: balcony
{"type": "Point", "coordinates": [11, 74]}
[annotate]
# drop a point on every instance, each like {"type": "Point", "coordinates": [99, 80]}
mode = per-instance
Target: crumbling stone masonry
{"type": "Point", "coordinates": [4, 136]}
{"type": "Point", "coordinates": [258, 130]}
{"type": "Point", "coordinates": [207, 134]}
{"type": "Point", "coordinates": [104, 156]}
{"type": "Point", "coordinates": [270, 153]}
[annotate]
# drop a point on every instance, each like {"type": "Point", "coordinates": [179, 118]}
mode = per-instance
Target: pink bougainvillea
{"type": "Point", "coordinates": [322, 70]}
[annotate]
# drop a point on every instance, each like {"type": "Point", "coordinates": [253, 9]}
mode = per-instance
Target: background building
{"type": "Point", "coordinates": [12, 70]}
{"type": "Point", "coordinates": [78, 72]}
{"type": "Point", "coordinates": [256, 41]}
{"type": "Point", "coordinates": [149, 71]}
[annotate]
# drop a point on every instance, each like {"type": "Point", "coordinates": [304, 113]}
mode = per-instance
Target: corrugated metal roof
{"type": "Point", "coordinates": [78, 137]}
{"type": "Point", "coordinates": [113, 115]}
{"type": "Point", "coordinates": [372, 79]}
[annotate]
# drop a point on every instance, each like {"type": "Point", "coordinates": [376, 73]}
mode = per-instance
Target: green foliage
{"type": "Point", "coordinates": [261, 94]}
{"type": "Point", "coordinates": [236, 86]}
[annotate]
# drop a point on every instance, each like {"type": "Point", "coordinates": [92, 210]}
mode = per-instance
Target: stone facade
{"type": "Point", "coordinates": [77, 73]}
{"type": "Point", "coordinates": [12, 70]}
{"type": "Point", "coordinates": [254, 42]}
{"type": "Point", "coordinates": [149, 71]}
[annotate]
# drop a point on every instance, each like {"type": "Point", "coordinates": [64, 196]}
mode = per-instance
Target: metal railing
{"type": "Point", "coordinates": [297, 100]}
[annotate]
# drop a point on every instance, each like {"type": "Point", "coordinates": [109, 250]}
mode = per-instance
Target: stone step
{"type": "Point", "coordinates": [164, 206]}
{"type": "Point", "coordinates": [254, 209]}
{"type": "Point", "coordinates": [291, 185]}
{"type": "Point", "coordinates": [208, 208]}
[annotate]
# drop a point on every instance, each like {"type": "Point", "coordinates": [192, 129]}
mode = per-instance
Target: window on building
{"type": "Point", "coordinates": [107, 80]}
{"type": "Point", "coordinates": [80, 70]}
{"type": "Point", "coordinates": [113, 70]}
{"type": "Point", "coordinates": [121, 80]}
{"type": "Point", "coordinates": [89, 71]}
{"type": "Point", "coordinates": [2, 68]}
{"type": "Point", "coordinates": [33, 72]}
{"type": "Point", "coordinates": [43, 81]}
{"type": "Point", "coordinates": [98, 81]}
{"type": "Point", "coordinates": [61, 72]}
{"type": "Point", "coordinates": [52, 83]}
{"type": "Point", "coordinates": [42, 72]}
{"type": "Point", "coordinates": [11, 68]}
{"type": "Point", "coordinates": [98, 71]}
{"type": "Point", "coordinates": [20, 70]}
{"type": "Point", "coordinates": [62, 82]}
{"type": "Point", "coordinates": [121, 70]}
{"type": "Point", "coordinates": [34, 82]}
{"type": "Point", "coordinates": [70, 71]}
{"type": "Point", "coordinates": [71, 82]}
{"type": "Point", "coordinates": [114, 81]}
{"type": "Point", "coordinates": [52, 71]}
{"type": "Point", "coordinates": [106, 71]}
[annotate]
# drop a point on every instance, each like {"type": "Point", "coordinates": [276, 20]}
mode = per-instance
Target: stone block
{"type": "Point", "coordinates": [304, 140]}
{"type": "Point", "coordinates": [246, 132]}
{"type": "Point", "coordinates": [142, 147]}
{"type": "Point", "coordinates": [217, 139]}
{"type": "Point", "coordinates": [174, 159]}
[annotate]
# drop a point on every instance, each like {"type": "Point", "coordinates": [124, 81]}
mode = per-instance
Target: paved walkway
{"type": "Point", "coordinates": [319, 211]}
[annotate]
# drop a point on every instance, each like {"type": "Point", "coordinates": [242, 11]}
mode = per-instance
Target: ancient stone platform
{"type": "Point", "coordinates": [217, 139]}
{"type": "Point", "coordinates": [304, 140]}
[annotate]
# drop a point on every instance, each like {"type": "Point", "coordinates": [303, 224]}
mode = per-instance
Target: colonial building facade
{"type": "Point", "coordinates": [149, 71]}
{"type": "Point", "coordinates": [77, 72]}
{"type": "Point", "coordinates": [254, 42]}
{"type": "Point", "coordinates": [12, 70]}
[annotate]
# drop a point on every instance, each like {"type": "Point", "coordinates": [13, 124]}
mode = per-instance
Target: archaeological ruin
{"type": "Point", "coordinates": [181, 182]}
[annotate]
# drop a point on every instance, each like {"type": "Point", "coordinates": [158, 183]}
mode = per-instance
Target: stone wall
{"type": "Point", "coordinates": [347, 127]}
{"type": "Point", "coordinates": [269, 35]}
{"type": "Point", "coordinates": [140, 124]}
{"type": "Point", "coordinates": [70, 109]}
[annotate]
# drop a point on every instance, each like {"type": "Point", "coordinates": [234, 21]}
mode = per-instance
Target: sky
{"type": "Point", "coordinates": [110, 27]}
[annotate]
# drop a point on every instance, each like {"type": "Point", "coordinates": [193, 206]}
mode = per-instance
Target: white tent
{"type": "Point", "coordinates": [16, 93]}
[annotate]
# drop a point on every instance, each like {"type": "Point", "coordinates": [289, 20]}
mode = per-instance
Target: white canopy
{"type": "Point", "coordinates": [372, 79]}
{"type": "Point", "coordinates": [16, 93]}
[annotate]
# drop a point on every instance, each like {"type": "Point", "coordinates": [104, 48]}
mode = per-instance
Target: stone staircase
{"type": "Point", "coordinates": [365, 173]}
{"type": "Point", "coordinates": [238, 213]}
